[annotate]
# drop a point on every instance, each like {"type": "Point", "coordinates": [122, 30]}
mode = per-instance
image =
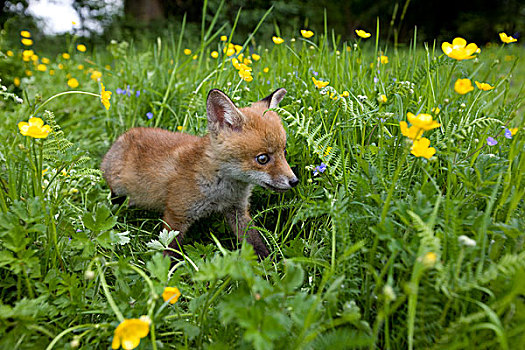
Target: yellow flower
{"type": "Point", "coordinates": [507, 39]}
{"type": "Point", "coordinates": [422, 121]}
{"type": "Point", "coordinates": [105, 96]}
{"type": "Point", "coordinates": [45, 60]}
{"type": "Point", "coordinates": [66, 56]}
{"type": "Point", "coordinates": [459, 49]}
{"type": "Point", "coordinates": [237, 48]}
{"type": "Point", "coordinates": [10, 53]}
{"type": "Point", "coordinates": [27, 42]}
{"type": "Point", "coordinates": [16, 81]}
{"type": "Point", "coordinates": [327, 152]}
{"type": "Point", "coordinates": [412, 133]}
{"type": "Point", "coordinates": [255, 57]}
{"type": "Point", "coordinates": [41, 67]}
{"type": "Point", "coordinates": [345, 94]}
{"type": "Point", "coordinates": [172, 293]}
{"type": "Point", "coordinates": [224, 38]}
{"type": "Point", "coordinates": [195, 57]}
{"type": "Point", "coordinates": [513, 131]}
{"type": "Point", "coordinates": [179, 128]}
{"type": "Point", "coordinates": [214, 54]}
{"type": "Point", "coordinates": [80, 66]}
{"type": "Point", "coordinates": [362, 34]}
{"type": "Point", "coordinates": [383, 59]}
{"type": "Point", "coordinates": [307, 33]}
{"type": "Point", "coordinates": [383, 99]}
{"type": "Point", "coordinates": [246, 75]}
{"type": "Point", "coordinates": [73, 83]}
{"type": "Point", "coordinates": [420, 149]}
{"type": "Point", "coordinates": [277, 40]}
{"type": "Point", "coordinates": [25, 34]}
{"type": "Point", "coordinates": [187, 52]}
{"type": "Point", "coordinates": [81, 47]}
{"type": "Point", "coordinates": [29, 73]}
{"type": "Point", "coordinates": [51, 72]}
{"type": "Point", "coordinates": [463, 86]}
{"type": "Point", "coordinates": [247, 61]}
{"type": "Point", "coordinates": [320, 84]}
{"type": "Point", "coordinates": [484, 86]}
{"type": "Point", "coordinates": [34, 128]}
{"type": "Point", "coordinates": [429, 259]}
{"type": "Point", "coordinates": [27, 53]}
{"type": "Point", "coordinates": [107, 66]}
{"type": "Point", "coordinates": [266, 69]}
{"type": "Point", "coordinates": [230, 51]}
{"type": "Point", "coordinates": [34, 58]}
{"type": "Point", "coordinates": [129, 332]}
{"type": "Point", "coordinates": [60, 66]}
{"type": "Point", "coordinates": [96, 75]}
{"type": "Point", "coordinates": [435, 110]}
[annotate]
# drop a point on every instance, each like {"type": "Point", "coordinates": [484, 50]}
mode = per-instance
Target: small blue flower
{"type": "Point", "coordinates": [119, 91]}
{"type": "Point", "coordinates": [491, 141]}
{"type": "Point", "coordinates": [137, 93]}
{"type": "Point", "coordinates": [128, 91]}
{"type": "Point", "coordinates": [376, 80]}
{"type": "Point", "coordinates": [508, 134]}
{"type": "Point", "coordinates": [319, 169]}
{"type": "Point", "coordinates": [149, 115]}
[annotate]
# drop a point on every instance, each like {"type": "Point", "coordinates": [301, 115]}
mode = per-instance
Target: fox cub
{"type": "Point", "coordinates": [189, 177]}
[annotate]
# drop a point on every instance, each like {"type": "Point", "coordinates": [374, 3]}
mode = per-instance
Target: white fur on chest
{"type": "Point", "coordinates": [220, 195]}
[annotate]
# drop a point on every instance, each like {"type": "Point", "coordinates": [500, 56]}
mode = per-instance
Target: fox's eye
{"type": "Point", "coordinates": [285, 152]}
{"type": "Point", "coordinates": [262, 158]}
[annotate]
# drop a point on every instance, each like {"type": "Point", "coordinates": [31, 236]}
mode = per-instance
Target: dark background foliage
{"type": "Point", "coordinates": [478, 20]}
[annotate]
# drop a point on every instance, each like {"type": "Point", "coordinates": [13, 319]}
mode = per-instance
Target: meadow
{"type": "Point", "coordinates": [405, 232]}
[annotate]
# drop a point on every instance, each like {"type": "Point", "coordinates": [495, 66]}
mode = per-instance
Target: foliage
{"type": "Point", "coordinates": [370, 249]}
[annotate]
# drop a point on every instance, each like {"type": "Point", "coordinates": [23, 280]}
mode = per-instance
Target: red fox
{"type": "Point", "coordinates": [189, 177]}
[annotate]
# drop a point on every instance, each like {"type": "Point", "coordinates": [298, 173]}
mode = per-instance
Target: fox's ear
{"type": "Point", "coordinates": [222, 112]}
{"type": "Point", "coordinates": [274, 98]}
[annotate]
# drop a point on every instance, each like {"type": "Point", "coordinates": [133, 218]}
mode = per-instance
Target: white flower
{"type": "Point", "coordinates": [469, 242]}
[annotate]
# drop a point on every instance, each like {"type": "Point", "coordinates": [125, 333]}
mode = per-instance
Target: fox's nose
{"type": "Point", "coordinates": [293, 182]}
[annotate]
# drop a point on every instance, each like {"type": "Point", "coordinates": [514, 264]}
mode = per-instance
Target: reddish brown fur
{"type": "Point", "coordinates": [188, 176]}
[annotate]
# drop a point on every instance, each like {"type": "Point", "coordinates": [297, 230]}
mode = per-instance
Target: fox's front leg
{"type": "Point", "coordinates": [239, 219]}
{"type": "Point", "coordinates": [175, 222]}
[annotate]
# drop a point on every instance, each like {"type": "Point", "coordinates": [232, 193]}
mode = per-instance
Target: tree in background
{"type": "Point", "coordinates": [478, 20]}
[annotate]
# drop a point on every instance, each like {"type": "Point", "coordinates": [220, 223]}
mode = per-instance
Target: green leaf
{"type": "Point", "coordinates": [159, 266]}
{"type": "Point", "coordinates": [293, 276]}
{"type": "Point", "coordinates": [100, 220]}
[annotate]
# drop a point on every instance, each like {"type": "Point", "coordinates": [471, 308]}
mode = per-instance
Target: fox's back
{"type": "Point", "coordinates": [142, 161]}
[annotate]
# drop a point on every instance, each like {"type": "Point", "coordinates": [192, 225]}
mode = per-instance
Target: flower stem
{"type": "Point", "coordinates": [64, 93]}
{"type": "Point", "coordinates": [71, 329]}
{"type": "Point", "coordinates": [107, 293]}
{"type": "Point", "coordinates": [448, 80]}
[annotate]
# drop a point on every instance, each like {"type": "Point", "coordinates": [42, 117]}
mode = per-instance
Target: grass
{"type": "Point", "coordinates": [369, 253]}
